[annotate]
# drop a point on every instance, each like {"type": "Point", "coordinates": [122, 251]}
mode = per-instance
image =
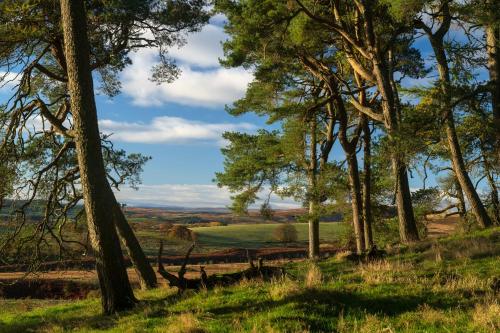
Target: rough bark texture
{"type": "Point", "coordinates": [145, 273]}
{"type": "Point", "coordinates": [98, 197]}
{"type": "Point", "coordinates": [367, 204]}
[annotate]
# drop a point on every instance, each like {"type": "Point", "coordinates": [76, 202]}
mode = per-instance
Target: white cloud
{"type": "Point", "coordinates": [203, 49]}
{"type": "Point", "coordinates": [169, 130]}
{"type": "Point", "coordinates": [189, 196]}
{"type": "Point", "coordinates": [202, 82]}
{"type": "Point", "coordinates": [8, 81]}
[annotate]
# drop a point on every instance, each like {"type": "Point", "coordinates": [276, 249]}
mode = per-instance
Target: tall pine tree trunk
{"type": "Point", "coordinates": [493, 51]}
{"type": "Point", "coordinates": [356, 202]}
{"type": "Point", "coordinates": [313, 200]}
{"type": "Point", "coordinates": [407, 225]}
{"type": "Point", "coordinates": [456, 156]}
{"type": "Point", "coordinates": [99, 199]}
{"type": "Point", "coordinates": [367, 204]}
{"type": "Point", "coordinates": [145, 272]}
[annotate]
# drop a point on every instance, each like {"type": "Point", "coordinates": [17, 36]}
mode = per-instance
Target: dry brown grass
{"type": "Point", "coordinates": [487, 316]}
{"type": "Point", "coordinates": [281, 288]}
{"type": "Point", "coordinates": [383, 271]}
{"type": "Point", "coordinates": [185, 323]}
{"type": "Point", "coordinates": [314, 276]}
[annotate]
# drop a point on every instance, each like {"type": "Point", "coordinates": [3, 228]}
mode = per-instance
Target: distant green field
{"type": "Point", "coordinates": [249, 236]}
{"type": "Point", "coordinates": [259, 235]}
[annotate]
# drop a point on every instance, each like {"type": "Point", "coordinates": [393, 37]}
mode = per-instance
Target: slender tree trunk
{"type": "Point", "coordinates": [462, 208]}
{"type": "Point", "coordinates": [99, 199]}
{"type": "Point", "coordinates": [313, 230]}
{"type": "Point", "coordinates": [493, 50]}
{"type": "Point", "coordinates": [463, 178]}
{"type": "Point", "coordinates": [457, 159]}
{"type": "Point", "coordinates": [495, 202]}
{"type": "Point", "coordinates": [313, 200]}
{"type": "Point", "coordinates": [407, 225]}
{"type": "Point", "coordinates": [367, 204]}
{"type": "Point", "coordinates": [145, 272]}
{"type": "Point", "coordinates": [356, 202]}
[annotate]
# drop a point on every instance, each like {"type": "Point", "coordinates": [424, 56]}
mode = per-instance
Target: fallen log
{"type": "Point", "coordinates": [208, 282]}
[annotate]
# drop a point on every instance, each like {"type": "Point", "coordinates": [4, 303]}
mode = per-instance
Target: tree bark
{"type": "Point", "coordinates": [349, 147]}
{"type": "Point", "coordinates": [367, 204]}
{"type": "Point", "coordinates": [381, 72]}
{"type": "Point", "coordinates": [495, 202]}
{"type": "Point", "coordinates": [99, 199]}
{"type": "Point", "coordinates": [356, 202]}
{"type": "Point", "coordinates": [145, 272]}
{"type": "Point", "coordinates": [462, 208]}
{"type": "Point", "coordinates": [493, 51]}
{"type": "Point", "coordinates": [313, 200]}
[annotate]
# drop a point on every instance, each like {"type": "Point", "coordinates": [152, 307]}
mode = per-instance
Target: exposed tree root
{"type": "Point", "coordinates": [181, 283]}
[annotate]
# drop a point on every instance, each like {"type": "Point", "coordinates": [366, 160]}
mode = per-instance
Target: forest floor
{"type": "Point", "coordinates": [449, 284]}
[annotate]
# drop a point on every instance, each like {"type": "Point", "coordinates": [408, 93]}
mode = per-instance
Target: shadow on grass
{"type": "Point", "coordinates": [73, 316]}
{"type": "Point", "coordinates": [318, 308]}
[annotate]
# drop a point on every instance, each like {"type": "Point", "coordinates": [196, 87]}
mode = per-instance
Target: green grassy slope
{"type": "Point", "coordinates": [443, 286]}
{"type": "Point", "coordinates": [250, 236]}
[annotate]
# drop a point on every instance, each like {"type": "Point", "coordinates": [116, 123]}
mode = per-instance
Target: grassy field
{"type": "Point", "coordinates": [260, 235]}
{"type": "Point", "coordinates": [249, 236]}
{"type": "Point", "coordinates": [434, 286]}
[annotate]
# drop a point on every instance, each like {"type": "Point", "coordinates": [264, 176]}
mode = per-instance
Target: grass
{"type": "Point", "coordinates": [259, 235]}
{"type": "Point", "coordinates": [409, 291]}
{"type": "Point", "coordinates": [251, 236]}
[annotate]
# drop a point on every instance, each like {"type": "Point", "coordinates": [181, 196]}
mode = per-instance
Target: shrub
{"type": "Point", "coordinates": [165, 226]}
{"type": "Point", "coordinates": [180, 232]}
{"type": "Point", "coordinates": [216, 224]}
{"type": "Point", "coordinates": [285, 233]}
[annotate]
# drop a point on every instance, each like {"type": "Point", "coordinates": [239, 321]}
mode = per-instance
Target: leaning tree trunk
{"type": "Point", "coordinates": [457, 159]}
{"type": "Point", "coordinates": [495, 201]}
{"type": "Point", "coordinates": [462, 208]}
{"type": "Point", "coordinates": [145, 272]}
{"type": "Point", "coordinates": [99, 199]}
{"type": "Point", "coordinates": [367, 204]}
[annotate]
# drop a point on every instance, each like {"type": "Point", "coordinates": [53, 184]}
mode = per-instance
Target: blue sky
{"type": "Point", "coordinates": [180, 124]}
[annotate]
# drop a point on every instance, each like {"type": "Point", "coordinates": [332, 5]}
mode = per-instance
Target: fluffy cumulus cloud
{"type": "Point", "coordinates": [189, 196]}
{"type": "Point", "coordinates": [169, 130]}
{"type": "Point", "coordinates": [202, 82]}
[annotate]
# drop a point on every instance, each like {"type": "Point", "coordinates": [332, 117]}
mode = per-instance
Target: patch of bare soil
{"type": "Point", "coordinates": [442, 227]}
{"type": "Point", "coordinates": [218, 257]}
{"type": "Point", "coordinates": [76, 284]}
{"type": "Point", "coordinates": [46, 289]}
